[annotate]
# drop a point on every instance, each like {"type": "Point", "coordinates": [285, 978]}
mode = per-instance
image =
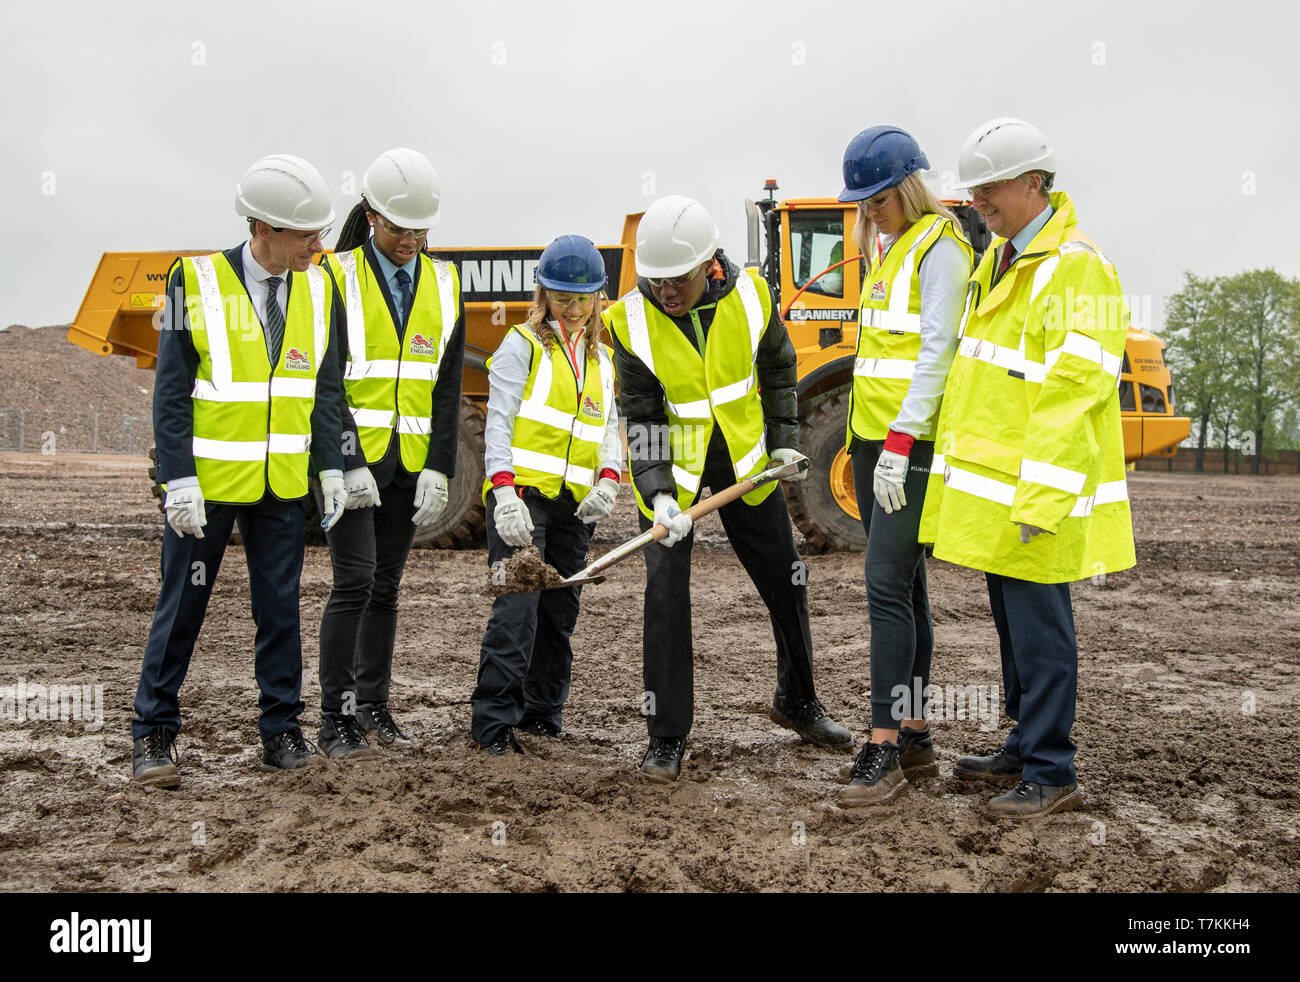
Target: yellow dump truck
{"type": "Point", "coordinates": [120, 312]}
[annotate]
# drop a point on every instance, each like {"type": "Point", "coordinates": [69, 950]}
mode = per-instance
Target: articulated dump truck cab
{"type": "Point", "coordinates": [807, 239]}
{"type": "Point", "coordinates": [120, 316]}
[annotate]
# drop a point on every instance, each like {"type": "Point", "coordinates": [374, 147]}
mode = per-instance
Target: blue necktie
{"type": "Point", "coordinates": [404, 281]}
{"type": "Point", "coordinates": [274, 320]}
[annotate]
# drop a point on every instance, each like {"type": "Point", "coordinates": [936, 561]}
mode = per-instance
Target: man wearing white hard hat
{"type": "Point", "coordinates": [246, 407]}
{"type": "Point", "coordinates": [1028, 482]}
{"type": "Point", "coordinates": [399, 318]}
{"type": "Point", "coordinates": [707, 374]}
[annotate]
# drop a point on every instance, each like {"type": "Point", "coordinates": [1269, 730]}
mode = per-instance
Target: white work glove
{"type": "Point", "coordinates": [888, 481]}
{"type": "Point", "coordinates": [430, 497]}
{"type": "Point", "coordinates": [1027, 532]}
{"type": "Point", "coordinates": [362, 490]}
{"type": "Point", "coordinates": [599, 503]}
{"type": "Point", "coordinates": [513, 522]}
{"type": "Point", "coordinates": [783, 456]}
{"type": "Point", "coordinates": [671, 517]}
{"type": "Point", "coordinates": [185, 512]}
{"type": "Point", "coordinates": [335, 502]}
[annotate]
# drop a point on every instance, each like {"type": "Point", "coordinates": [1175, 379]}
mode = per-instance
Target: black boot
{"type": "Point", "coordinates": [341, 737]}
{"type": "Point", "coordinates": [876, 778]}
{"type": "Point", "coordinates": [810, 721]}
{"type": "Point", "coordinates": [1000, 768]}
{"type": "Point", "coordinates": [663, 759]}
{"type": "Point", "coordinates": [154, 760]}
{"type": "Point", "coordinates": [916, 752]}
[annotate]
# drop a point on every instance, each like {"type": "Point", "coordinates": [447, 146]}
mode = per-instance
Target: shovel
{"type": "Point", "coordinates": [592, 574]}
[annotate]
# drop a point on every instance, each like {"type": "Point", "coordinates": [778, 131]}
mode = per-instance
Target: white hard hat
{"type": "Point", "coordinates": [403, 187]}
{"type": "Point", "coordinates": [285, 192]}
{"type": "Point", "coordinates": [676, 234]}
{"type": "Point", "coordinates": [1003, 148]}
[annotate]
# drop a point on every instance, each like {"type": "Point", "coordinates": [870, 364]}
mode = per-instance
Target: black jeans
{"type": "Point", "coordinates": [898, 604]}
{"type": "Point", "coordinates": [525, 661]}
{"type": "Point", "coordinates": [1040, 672]}
{"type": "Point", "coordinates": [368, 548]}
{"type": "Point", "coordinates": [273, 533]}
{"type": "Point", "coordinates": [764, 543]}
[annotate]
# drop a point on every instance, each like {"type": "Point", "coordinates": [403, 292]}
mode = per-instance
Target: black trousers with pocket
{"type": "Point", "coordinates": [273, 532]}
{"type": "Point", "coordinates": [764, 543]}
{"type": "Point", "coordinates": [368, 549]}
{"type": "Point", "coordinates": [526, 660]}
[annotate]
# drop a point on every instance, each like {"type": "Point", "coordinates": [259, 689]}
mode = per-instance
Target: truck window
{"type": "Point", "coordinates": [817, 241]}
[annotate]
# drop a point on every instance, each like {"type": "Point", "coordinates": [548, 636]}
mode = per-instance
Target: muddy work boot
{"type": "Point", "coordinates": [341, 737]}
{"type": "Point", "coordinates": [1001, 768]}
{"type": "Point", "coordinates": [916, 752]}
{"type": "Point", "coordinates": [154, 760]}
{"type": "Point", "coordinates": [539, 727]}
{"type": "Point", "coordinates": [502, 745]}
{"type": "Point", "coordinates": [287, 751]}
{"type": "Point", "coordinates": [1030, 800]}
{"type": "Point", "coordinates": [877, 777]}
{"type": "Point", "coordinates": [378, 724]}
{"type": "Point", "coordinates": [663, 759]}
{"type": "Point", "coordinates": [810, 721]}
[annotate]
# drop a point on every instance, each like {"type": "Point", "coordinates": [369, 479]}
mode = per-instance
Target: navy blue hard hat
{"type": "Point", "coordinates": [571, 264]}
{"type": "Point", "coordinates": [878, 158]}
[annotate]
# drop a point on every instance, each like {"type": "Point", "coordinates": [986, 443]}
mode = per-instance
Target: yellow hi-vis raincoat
{"type": "Point", "coordinates": [1030, 428]}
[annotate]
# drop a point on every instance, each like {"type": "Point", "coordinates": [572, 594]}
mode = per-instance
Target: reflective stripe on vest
{"type": "Point", "coordinates": [384, 392]}
{"type": "Point", "coordinates": [718, 385]}
{"type": "Point", "coordinates": [552, 445]}
{"type": "Point", "coordinates": [889, 330]}
{"type": "Point", "coordinates": [1003, 493]}
{"type": "Point", "coordinates": [275, 405]}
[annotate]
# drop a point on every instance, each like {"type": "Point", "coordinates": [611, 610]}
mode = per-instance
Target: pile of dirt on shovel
{"type": "Point", "coordinates": [523, 572]}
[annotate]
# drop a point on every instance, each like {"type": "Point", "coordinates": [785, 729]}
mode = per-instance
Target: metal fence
{"type": "Point", "coordinates": [51, 430]}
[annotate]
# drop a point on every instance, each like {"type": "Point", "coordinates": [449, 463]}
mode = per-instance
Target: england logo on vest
{"type": "Point", "coordinates": [295, 360]}
{"type": "Point", "coordinates": [879, 291]}
{"type": "Point", "coordinates": [420, 345]}
{"type": "Point", "coordinates": [590, 407]}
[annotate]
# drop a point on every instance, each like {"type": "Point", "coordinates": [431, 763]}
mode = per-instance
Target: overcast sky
{"type": "Point", "coordinates": [1175, 123]}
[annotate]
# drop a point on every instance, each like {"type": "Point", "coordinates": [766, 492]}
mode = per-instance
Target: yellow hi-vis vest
{"type": "Point", "coordinates": [389, 381]}
{"type": "Point", "coordinates": [721, 385]}
{"type": "Point", "coordinates": [889, 329]}
{"type": "Point", "coordinates": [1030, 426]}
{"type": "Point", "coordinates": [252, 424]}
{"type": "Point", "coordinates": [559, 430]}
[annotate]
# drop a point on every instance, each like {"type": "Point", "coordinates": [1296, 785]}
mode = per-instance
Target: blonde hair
{"type": "Point", "coordinates": [538, 322]}
{"type": "Point", "coordinates": [918, 200]}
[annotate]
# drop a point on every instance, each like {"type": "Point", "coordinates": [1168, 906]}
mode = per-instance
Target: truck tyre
{"type": "Point", "coordinates": [461, 524]}
{"type": "Point", "coordinates": [824, 507]}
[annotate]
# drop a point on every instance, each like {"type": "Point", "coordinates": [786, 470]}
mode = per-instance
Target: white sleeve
{"type": "Point", "coordinates": [506, 380]}
{"type": "Point", "coordinates": [945, 272]}
{"type": "Point", "coordinates": [611, 444]}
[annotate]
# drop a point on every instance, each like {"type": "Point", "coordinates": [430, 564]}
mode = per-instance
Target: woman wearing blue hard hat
{"type": "Point", "coordinates": [552, 456]}
{"type": "Point", "coordinates": [918, 263]}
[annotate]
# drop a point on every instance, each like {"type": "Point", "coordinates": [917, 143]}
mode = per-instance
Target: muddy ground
{"type": "Point", "coordinates": [1186, 728]}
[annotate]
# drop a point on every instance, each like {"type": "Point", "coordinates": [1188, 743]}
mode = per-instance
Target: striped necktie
{"type": "Point", "coordinates": [274, 320]}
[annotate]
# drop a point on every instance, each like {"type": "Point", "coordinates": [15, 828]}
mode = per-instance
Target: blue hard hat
{"type": "Point", "coordinates": [878, 158]}
{"type": "Point", "coordinates": [572, 264]}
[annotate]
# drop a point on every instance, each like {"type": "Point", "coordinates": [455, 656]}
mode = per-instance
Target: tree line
{"type": "Point", "coordinates": [1234, 352]}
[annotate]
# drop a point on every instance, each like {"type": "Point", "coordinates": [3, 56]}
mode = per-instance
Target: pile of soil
{"type": "Point", "coordinates": [59, 386]}
{"type": "Point", "coordinates": [1187, 736]}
